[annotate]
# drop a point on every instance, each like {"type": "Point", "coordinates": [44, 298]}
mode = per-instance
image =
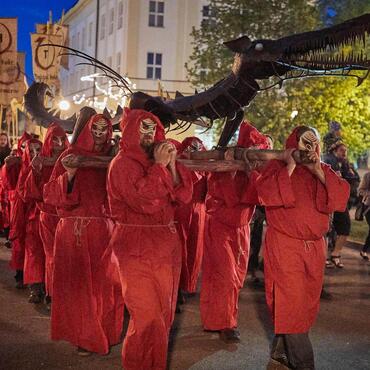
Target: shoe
{"type": "Point", "coordinates": [83, 352]}
{"type": "Point", "coordinates": [8, 244]}
{"type": "Point", "coordinates": [230, 335]}
{"type": "Point", "coordinates": [364, 255]}
{"type": "Point", "coordinates": [36, 293]}
{"type": "Point", "coordinates": [325, 295]}
{"type": "Point", "coordinates": [336, 261]}
{"type": "Point", "coordinates": [329, 264]}
{"type": "Point", "coordinates": [34, 298]}
{"type": "Point", "coordinates": [276, 364]}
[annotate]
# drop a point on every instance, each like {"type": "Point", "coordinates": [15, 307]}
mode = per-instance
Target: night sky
{"type": "Point", "coordinates": [30, 12]}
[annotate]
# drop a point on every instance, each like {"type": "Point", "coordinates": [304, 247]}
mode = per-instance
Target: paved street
{"type": "Point", "coordinates": [341, 336]}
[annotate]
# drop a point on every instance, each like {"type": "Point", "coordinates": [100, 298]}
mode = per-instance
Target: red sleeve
{"type": "Point", "coordinates": [55, 191]}
{"type": "Point", "coordinates": [333, 196]}
{"type": "Point", "coordinates": [32, 187]}
{"type": "Point", "coordinates": [9, 176]}
{"type": "Point", "coordinates": [145, 193]}
{"type": "Point", "coordinates": [250, 195]}
{"type": "Point", "coordinates": [184, 191]}
{"type": "Point", "coordinates": [274, 186]}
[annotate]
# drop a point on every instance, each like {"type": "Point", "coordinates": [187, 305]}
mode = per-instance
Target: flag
{"type": "Point", "coordinates": [46, 59]}
{"type": "Point", "coordinates": [58, 30]}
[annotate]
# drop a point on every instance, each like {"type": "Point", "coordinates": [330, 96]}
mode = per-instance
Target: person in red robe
{"type": "Point", "coordinates": [298, 200]}
{"type": "Point", "coordinates": [28, 228]}
{"type": "Point", "coordinates": [144, 185]}
{"type": "Point", "coordinates": [14, 176]}
{"type": "Point", "coordinates": [9, 176]}
{"type": "Point", "coordinates": [87, 308]}
{"type": "Point", "coordinates": [5, 151]}
{"type": "Point", "coordinates": [226, 248]}
{"type": "Point", "coordinates": [54, 144]}
{"type": "Point", "coordinates": [191, 220]}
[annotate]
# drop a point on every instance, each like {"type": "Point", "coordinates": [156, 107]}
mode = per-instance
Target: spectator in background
{"type": "Point", "coordinates": [337, 159]}
{"type": "Point", "coordinates": [4, 147]}
{"type": "Point", "coordinates": [364, 193]}
{"type": "Point", "coordinates": [331, 139]}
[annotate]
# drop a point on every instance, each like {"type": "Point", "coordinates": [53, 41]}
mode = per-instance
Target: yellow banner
{"type": "Point", "coordinates": [59, 30]}
{"type": "Point", "coordinates": [46, 59]}
{"type": "Point", "coordinates": [12, 82]}
{"type": "Point", "coordinates": [11, 62]}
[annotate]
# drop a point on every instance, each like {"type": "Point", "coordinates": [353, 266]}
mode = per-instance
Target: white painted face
{"type": "Point", "coordinates": [100, 128]}
{"type": "Point", "coordinates": [195, 146]}
{"type": "Point", "coordinates": [58, 143]}
{"type": "Point", "coordinates": [308, 141]}
{"type": "Point", "coordinates": [35, 149]}
{"type": "Point", "coordinates": [147, 126]}
{"type": "Point", "coordinates": [147, 131]}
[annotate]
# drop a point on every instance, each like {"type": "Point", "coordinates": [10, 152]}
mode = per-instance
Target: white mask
{"type": "Point", "coordinates": [99, 128]}
{"type": "Point", "coordinates": [147, 126]}
{"type": "Point", "coordinates": [308, 141]}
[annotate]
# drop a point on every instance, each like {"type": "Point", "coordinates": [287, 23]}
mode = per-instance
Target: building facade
{"type": "Point", "coordinates": [148, 41]}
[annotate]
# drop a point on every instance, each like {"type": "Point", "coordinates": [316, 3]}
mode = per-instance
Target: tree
{"type": "Point", "coordinates": [317, 100]}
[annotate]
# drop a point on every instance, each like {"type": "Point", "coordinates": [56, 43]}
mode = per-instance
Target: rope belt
{"type": "Point", "coordinates": [49, 214]}
{"type": "Point", "coordinates": [80, 224]}
{"type": "Point", "coordinates": [308, 244]}
{"type": "Point", "coordinates": [170, 225]}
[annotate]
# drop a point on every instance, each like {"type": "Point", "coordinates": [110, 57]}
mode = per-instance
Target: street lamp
{"type": "Point", "coordinates": [64, 105]}
{"type": "Point", "coordinates": [294, 114]}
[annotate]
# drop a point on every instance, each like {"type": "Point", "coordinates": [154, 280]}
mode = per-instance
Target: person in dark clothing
{"type": "Point", "coordinates": [337, 159]}
{"type": "Point", "coordinates": [4, 147]}
{"type": "Point", "coordinates": [364, 193]}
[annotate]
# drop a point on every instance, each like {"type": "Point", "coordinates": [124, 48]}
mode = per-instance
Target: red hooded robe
{"type": "Point", "coordinates": [191, 221]}
{"type": "Point", "coordinates": [297, 212]}
{"type": "Point", "coordinates": [9, 176]}
{"type": "Point", "coordinates": [28, 227]}
{"type": "Point", "coordinates": [48, 216]}
{"type": "Point", "coordinates": [226, 249]}
{"type": "Point", "coordinates": [142, 198]}
{"type": "Point", "coordinates": [87, 308]}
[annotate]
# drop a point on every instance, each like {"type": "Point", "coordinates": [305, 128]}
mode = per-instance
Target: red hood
{"type": "Point", "coordinates": [249, 136]}
{"type": "Point", "coordinates": [26, 161]}
{"type": "Point", "coordinates": [130, 124]}
{"type": "Point", "coordinates": [85, 140]}
{"type": "Point", "coordinates": [53, 130]}
{"type": "Point", "coordinates": [177, 145]}
{"type": "Point", "coordinates": [188, 141]}
{"type": "Point", "coordinates": [21, 140]}
{"type": "Point", "coordinates": [292, 140]}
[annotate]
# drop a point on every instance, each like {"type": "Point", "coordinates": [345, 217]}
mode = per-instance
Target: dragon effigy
{"type": "Point", "coordinates": [317, 53]}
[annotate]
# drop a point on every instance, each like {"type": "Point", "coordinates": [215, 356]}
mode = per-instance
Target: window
{"type": "Point", "coordinates": [102, 27]}
{"type": "Point", "coordinates": [156, 13]}
{"type": "Point", "coordinates": [120, 15]}
{"type": "Point", "coordinates": [83, 38]}
{"type": "Point", "coordinates": [118, 63]}
{"type": "Point", "coordinates": [154, 66]}
{"type": "Point", "coordinates": [90, 33]}
{"type": "Point", "coordinates": [208, 18]}
{"type": "Point", "coordinates": [111, 21]}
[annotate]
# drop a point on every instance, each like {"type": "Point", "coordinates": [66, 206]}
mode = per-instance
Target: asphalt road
{"type": "Point", "coordinates": [341, 336]}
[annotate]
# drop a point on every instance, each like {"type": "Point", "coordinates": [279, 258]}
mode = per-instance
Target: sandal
{"type": "Point", "coordinates": [336, 261]}
{"type": "Point", "coordinates": [364, 255]}
{"type": "Point", "coordinates": [329, 264]}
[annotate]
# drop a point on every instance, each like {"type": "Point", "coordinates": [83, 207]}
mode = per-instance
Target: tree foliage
{"type": "Point", "coordinates": [317, 100]}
